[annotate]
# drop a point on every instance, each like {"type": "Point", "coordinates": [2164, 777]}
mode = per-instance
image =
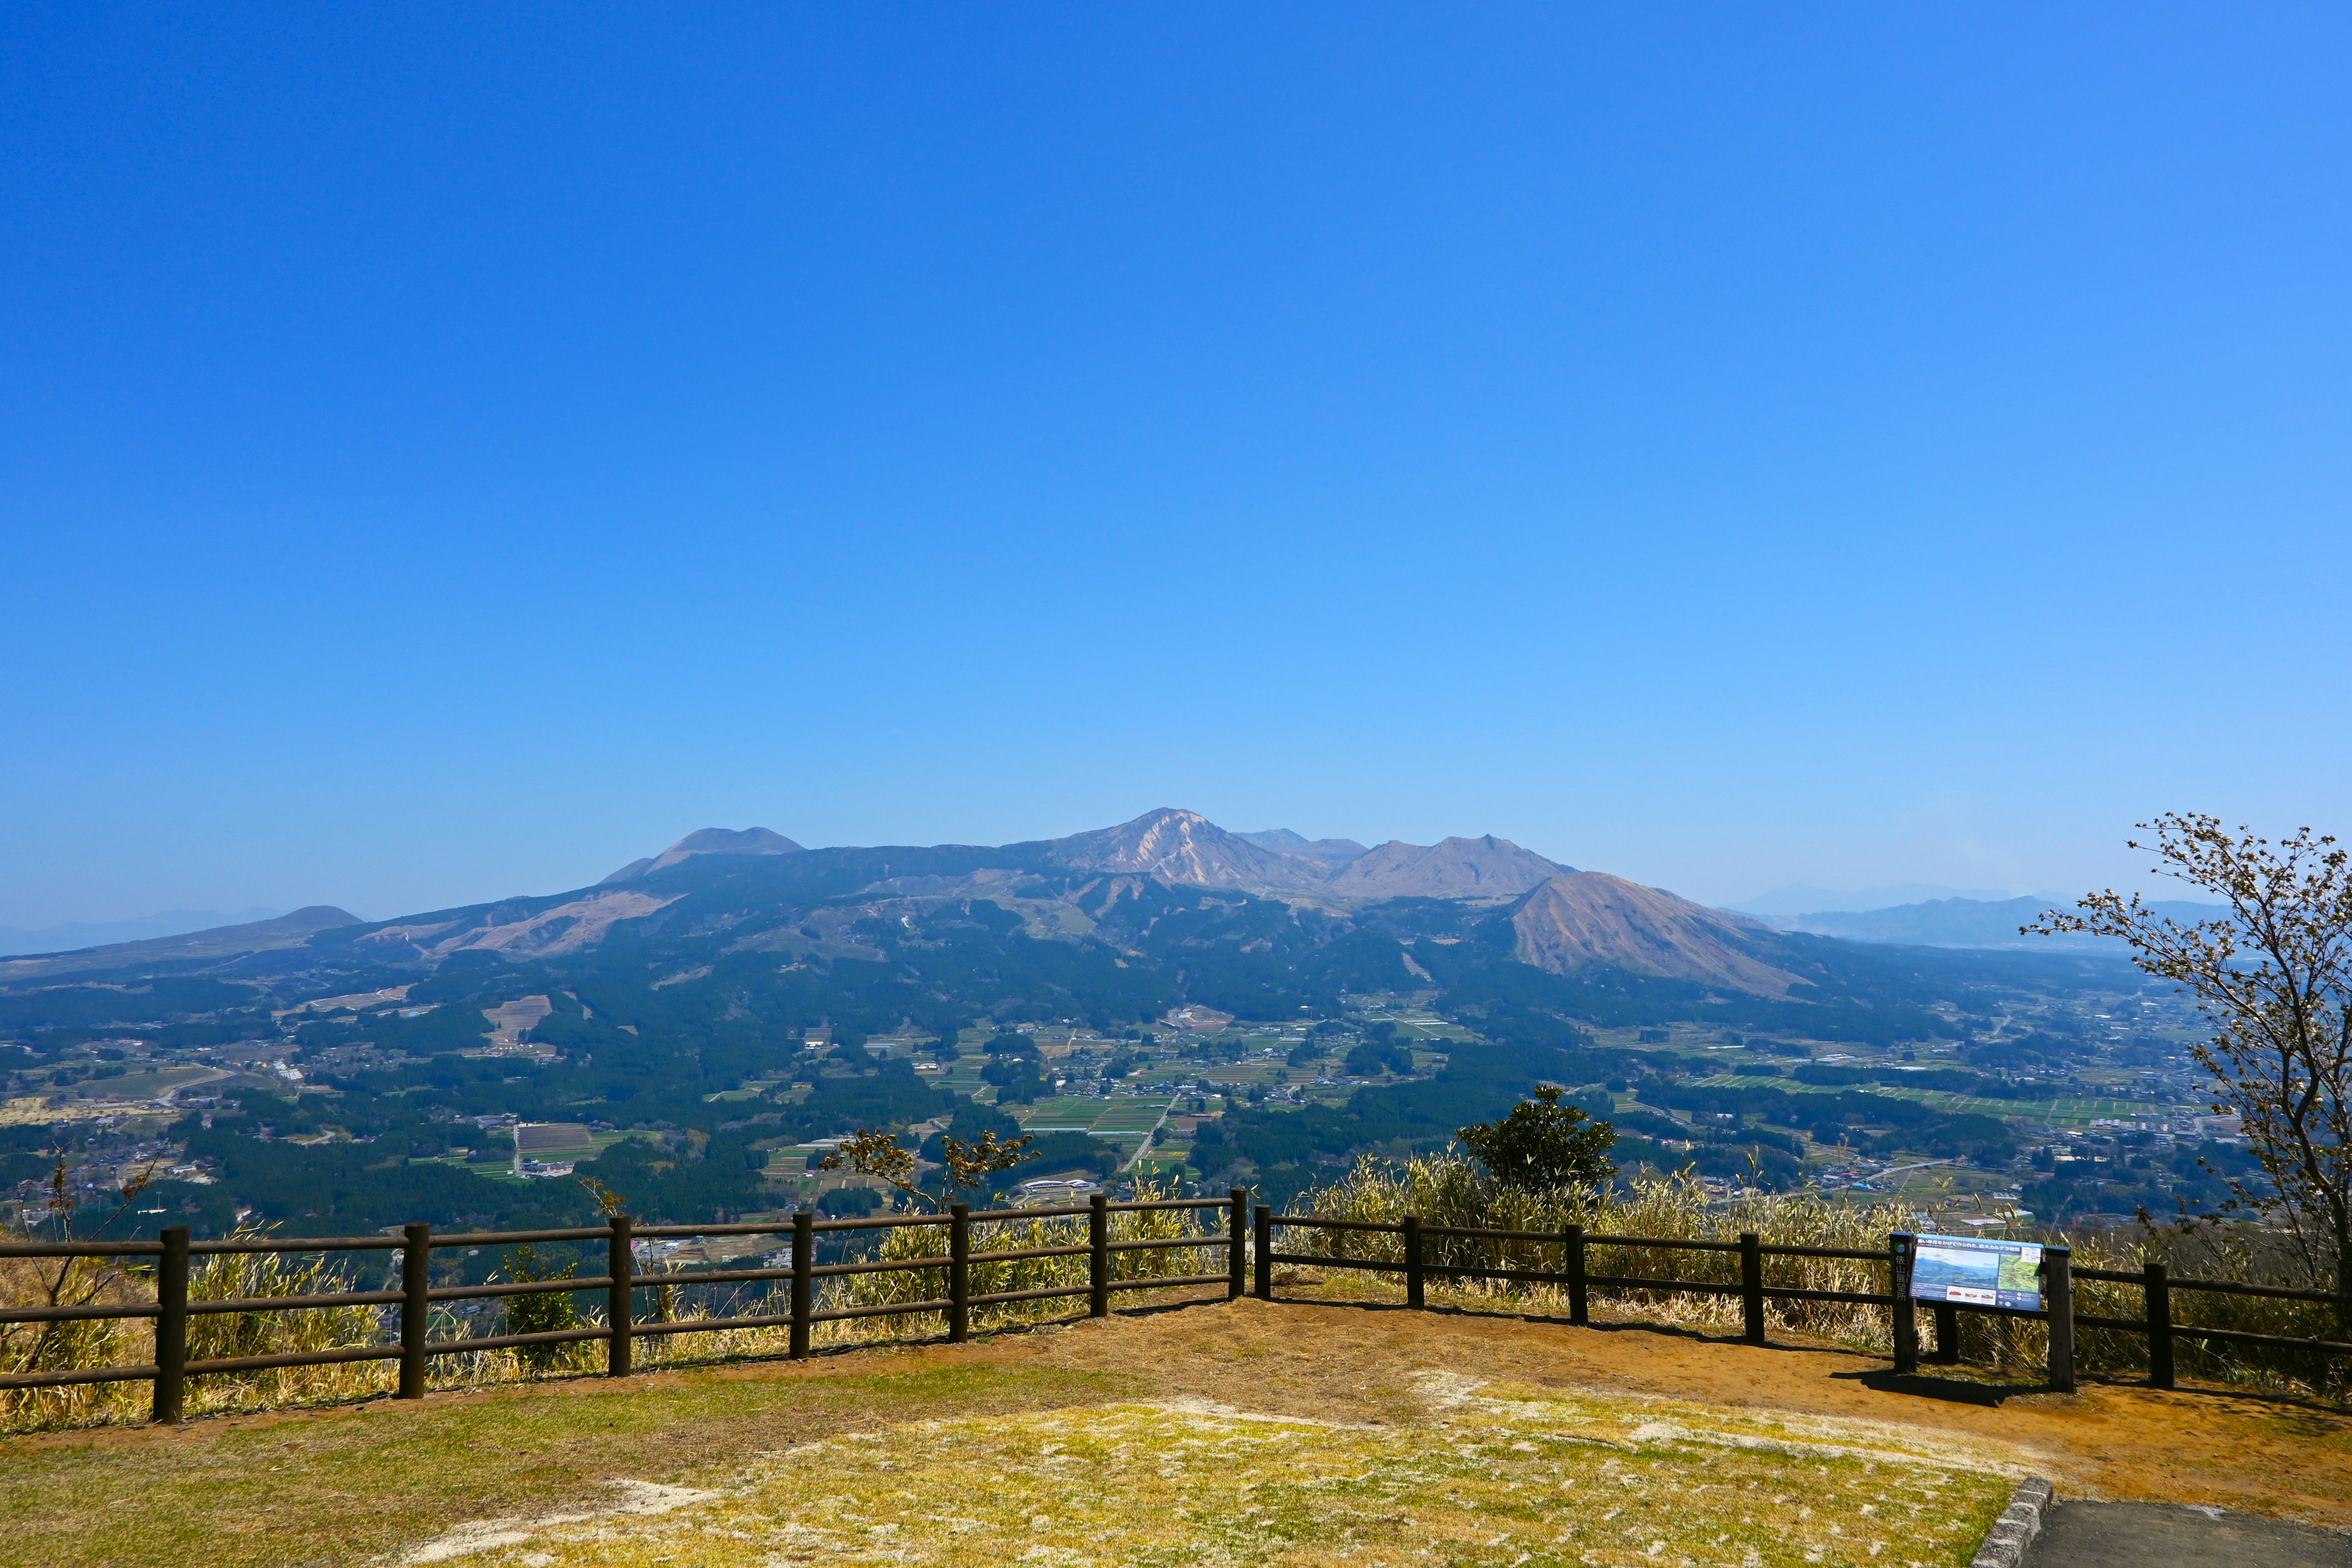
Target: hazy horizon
{"type": "Point", "coordinates": [1789, 900]}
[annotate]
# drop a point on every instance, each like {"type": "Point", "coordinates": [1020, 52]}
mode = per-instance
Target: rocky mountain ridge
{"type": "Point", "coordinates": [763, 890]}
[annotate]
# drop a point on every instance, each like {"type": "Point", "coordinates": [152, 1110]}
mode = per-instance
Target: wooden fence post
{"type": "Point", "coordinates": [1098, 1256]}
{"type": "Point", "coordinates": [803, 1279]}
{"type": "Point", "coordinates": [1573, 1265]}
{"type": "Point", "coordinates": [2158, 1287]}
{"type": "Point", "coordinates": [1237, 1244]}
{"type": "Point", "coordinates": [960, 1273]}
{"type": "Point", "coordinates": [1263, 1253]}
{"type": "Point", "coordinates": [1751, 1284]}
{"type": "Point", "coordinates": [1412, 1275]}
{"type": "Point", "coordinates": [2058, 1295]}
{"type": "Point", "coordinates": [416, 1306]}
{"type": "Point", "coordinates": [1907, 1318]}
{"type": "Point", "coordinates": [619, 1299]}
{"type": "Point", "coordinates": [172, 1326]}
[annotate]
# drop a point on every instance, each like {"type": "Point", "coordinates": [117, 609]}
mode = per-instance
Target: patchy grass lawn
{"type": "Point", "coordinates": [1495, 1482]}
{"type": "Point", "coordinates": [367, 1483]}
{"type": "Point", "coordinates": [970, 1463]}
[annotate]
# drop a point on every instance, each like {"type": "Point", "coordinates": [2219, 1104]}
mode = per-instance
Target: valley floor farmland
{"type": "Point", "coordinates": [1242, 1432]}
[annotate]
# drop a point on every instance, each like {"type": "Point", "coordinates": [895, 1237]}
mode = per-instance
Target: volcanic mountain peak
{"type": "Point", "coordinates": [708, 841]}
{"type": "Point", "coordinates": [1483, 868]}
{"type": "Point", "coordinates": [1186, 847]}
{"type": "Point", "coordinates": [1581, 920]}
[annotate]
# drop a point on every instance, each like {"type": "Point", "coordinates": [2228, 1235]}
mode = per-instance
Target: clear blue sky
{"type": "Point", "coordinates": [446, 453]}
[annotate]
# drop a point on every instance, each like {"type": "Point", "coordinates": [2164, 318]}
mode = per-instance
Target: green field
{"type": "Point", "coordinates": [1128, 1116]}
{"type": "Point", "coordinates": [2063, 1109]}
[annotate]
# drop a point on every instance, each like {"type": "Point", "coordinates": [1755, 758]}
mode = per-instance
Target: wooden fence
{"type": "Point", "coordinates": [1242, 1242]}
{"type": "Point", "coordinates": [2058, 1276]}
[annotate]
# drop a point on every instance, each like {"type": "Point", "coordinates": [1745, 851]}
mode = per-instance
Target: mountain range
{"type": "Point", "coordinates": [757, 888]}
{"type": "Point", "coordinates": [1975, 923]}
{"type": "Point", "coordinates": [764, 888]}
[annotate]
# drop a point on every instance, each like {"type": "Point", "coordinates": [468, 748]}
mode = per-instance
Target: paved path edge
{"type": "Point", "coordinates": [2005, 1543]}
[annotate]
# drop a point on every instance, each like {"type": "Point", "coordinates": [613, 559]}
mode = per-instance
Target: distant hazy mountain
{"type": "Point", "coordinates": [1487, 868]}
{"type": "Point", "coordinates": [1783, 904]}
{"type": "Point", "coordinates": [708, 841]}
{"type": "Point", "coordinates": [1973, 922]}
{"type": "Point", "coordinates": [754, 887]}
{"type": "Point", "coordinates": [1282, 841]}
{"type": "Point", "coordinates": [1588, 919]}
{"type": "Point", "coordinates": [220, 942]}
{"type": "Point", "coordinates": [165, 922]}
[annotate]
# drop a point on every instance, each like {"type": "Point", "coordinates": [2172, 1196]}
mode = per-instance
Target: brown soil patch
{"type": "Point", "coordinates": [2274, 1457]}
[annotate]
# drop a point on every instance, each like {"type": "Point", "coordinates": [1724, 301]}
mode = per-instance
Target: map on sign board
{"type": "Point", "coordinates": [1970, 1272]}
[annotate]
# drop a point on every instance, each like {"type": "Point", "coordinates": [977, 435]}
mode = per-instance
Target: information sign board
{"type": "Point", "coordinates": [1972, 1271]}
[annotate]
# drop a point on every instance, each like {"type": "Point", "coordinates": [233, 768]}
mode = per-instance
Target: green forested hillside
{"type": "Point", "coordinates": [748, 1005]}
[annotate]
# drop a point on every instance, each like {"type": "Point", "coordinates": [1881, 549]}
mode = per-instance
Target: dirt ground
{"type": "Point", "coordinates": [1330, 1361]}
{"type": "Point", "coordinates": [2274, 1457]}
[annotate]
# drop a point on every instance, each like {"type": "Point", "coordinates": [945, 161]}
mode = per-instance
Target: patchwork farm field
{"type": "Point", "coordinates": [1126, 1115]}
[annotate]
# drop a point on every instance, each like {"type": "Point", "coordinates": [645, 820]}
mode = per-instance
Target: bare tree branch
{"type": "Point", "coordinates": [2274, 978]}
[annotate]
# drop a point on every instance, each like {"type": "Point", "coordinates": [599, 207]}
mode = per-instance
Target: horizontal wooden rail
{"type": "Point", "coordinates": [518, 1288]}
{"type": "Point", "coordinates": [1020, 1254]}
{"type": "Point", "coordinates": [297, 1244]}
{"type": "Point", "coordinates": [512, 1237]}
{"type": "Point", "coordinates": [880, 1266]}
{"type": "Point", "coordinates": [1670, 1244]}
{"type": "Point", "coordinates": [295, 1303]}
{"type": "Point", "coordinates": [62, 1379]}
{"type": "Point", "coordinates": [706, 1325]}
{"type": "Point", "coordinates": [1309, 1260]}
{"type": "Point", "coordinates": [90, 1313]}
{"type": "Point", "coordinates": [707, 1277]}
{"type": "Point", "coordinates": [991, 1298]}
{"type": "Point", "coordinates": [1526, 1275]}
{"type": "Point", "coordinates": [887, 1310]}
{"type": "Point", "coordinates": [1170, 1282]}
{"type": "Point", "coordinates": [512, 1342]}
{"type": "Point", "coordinates": [81, 1250]}
{"type": "Point", "coordinates": [295, 1358]}
{"type": "Point", "coordinates": [2218, 1287]}
{"type": "Point", "coordinates": [1488, 1232]}
{"type": "Point", "coordinates": [1637, 1282]}
{"type": "Point", "coordinates": [2272, 1342]}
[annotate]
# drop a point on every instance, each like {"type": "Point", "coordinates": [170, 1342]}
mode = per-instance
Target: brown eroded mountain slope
{"type": "Point", "coordinates": [1185, 847]}
{"type": "Point", "coordinates": [1484, 868]}
{"type": "Point", "coordinates": [1580, 920]}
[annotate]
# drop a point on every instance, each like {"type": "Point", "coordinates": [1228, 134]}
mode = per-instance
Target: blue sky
{"type": "Point", "coordinates": [446, 453]}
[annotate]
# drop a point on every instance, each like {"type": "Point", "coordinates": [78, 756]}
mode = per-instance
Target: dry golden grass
{"type": "Point", "coordinates": [1481, 1480]}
